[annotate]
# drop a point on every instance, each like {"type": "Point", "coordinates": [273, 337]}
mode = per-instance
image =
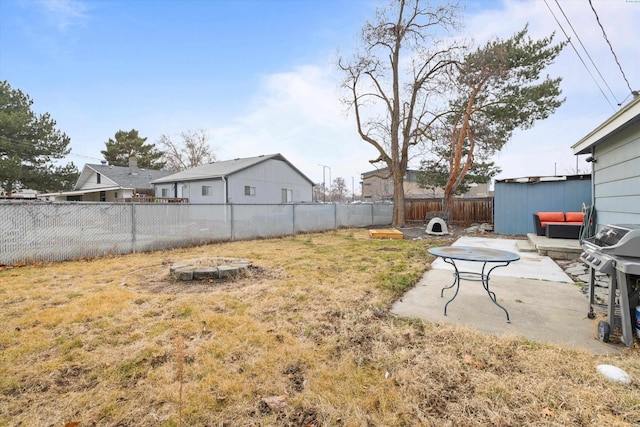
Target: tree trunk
{"type": "Point", "coordinates": [398, 201]}
{"type": "Point", "coordinates": [447, 203]}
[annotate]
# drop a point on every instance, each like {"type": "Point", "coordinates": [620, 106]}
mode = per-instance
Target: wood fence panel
{"type": "Point", "coordinates": [463, 211]}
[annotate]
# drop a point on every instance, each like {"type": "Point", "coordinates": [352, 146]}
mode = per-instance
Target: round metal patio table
{"type": "Point", "coordinates": [451, 254]}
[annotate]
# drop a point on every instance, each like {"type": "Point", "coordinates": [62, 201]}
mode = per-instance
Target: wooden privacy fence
{"type": "Point", "coordinates": [463, 210]}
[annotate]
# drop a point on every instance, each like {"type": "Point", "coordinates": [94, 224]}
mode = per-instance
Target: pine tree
{"type": "Point", "coordinates": [130, 144]}
{"type": "Point", "coordinates": [29, 146]}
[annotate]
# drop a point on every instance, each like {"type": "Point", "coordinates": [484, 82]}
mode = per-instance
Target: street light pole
{"type": "Point", "coordinates": [353, 190]}
{"type": "Point", "coordinates": [324, 186]}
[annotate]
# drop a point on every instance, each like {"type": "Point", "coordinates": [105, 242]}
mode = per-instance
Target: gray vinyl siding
{"type": "Point", "coordinates": [515, 203]}
{"type": "Point", "coordinates": [160, 187]}
{"type": "Point", "coordinates": [268, 178]}
{"type": "Point", "coordinates": [92, 182]}
{"type": "Point", "coordinates": [193, 191]}
{"type": "Point", "coordinates": [617, 178]}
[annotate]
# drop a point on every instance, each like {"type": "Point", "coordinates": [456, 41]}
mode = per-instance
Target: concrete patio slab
{"type": "Point", "coordinates": [543, 303]}
{"type": "Point", "coordinates": [530, 266]}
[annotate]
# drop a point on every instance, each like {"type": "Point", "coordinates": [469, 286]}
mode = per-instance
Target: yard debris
{"type": "Point", "coordinates": [546, 412]}
{"type": "Point", "coordinates": [480, 228]}
{"type": "Point", "coordinates": [276, 403]}
{"type": "Point", "coordinates": [469, 360]}
{"type": "Point", "coordinates": [614, 373]}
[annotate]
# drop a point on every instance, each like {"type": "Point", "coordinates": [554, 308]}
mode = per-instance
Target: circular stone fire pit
{"type": "Point", "coordinates": [209, 268]}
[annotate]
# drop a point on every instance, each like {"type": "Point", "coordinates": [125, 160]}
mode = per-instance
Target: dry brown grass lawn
{"type": "Point", "coordinates": [304, 340]}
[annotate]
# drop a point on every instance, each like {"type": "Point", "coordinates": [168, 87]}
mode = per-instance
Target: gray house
{"type": "Point", "coordinates": [265, 179]}
{"type": "Point", "coordinates": [107, 183]}
{"type": "Point", "coordinates": [614, 149]}
{"type": "Point", "coordinates": [376, 188]}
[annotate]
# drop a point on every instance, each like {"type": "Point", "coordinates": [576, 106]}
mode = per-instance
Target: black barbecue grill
{"type": "Point", "coordinates": [615, 251]}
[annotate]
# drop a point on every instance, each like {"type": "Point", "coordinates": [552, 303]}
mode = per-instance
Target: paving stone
{"type": "Point", "coordinates": [183, 274]}
{"type": "Point", "coordinates": [576, 264]}
{"type": "Point", "coordinates": [575, 271]}
{"type": "Point", "coordinates": [227, 271]}
{"type": "Point", "coordinates": [584, 278]}
{"type": "Point", "coordinates": [175, 267]}
{"type": "Point", "coordinates": [218, 268]}
{"type": "Point", "coordinates": [205, 273]}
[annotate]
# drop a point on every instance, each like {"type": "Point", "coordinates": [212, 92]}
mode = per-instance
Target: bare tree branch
{"type": "Point", "coordinates": [193, 150]}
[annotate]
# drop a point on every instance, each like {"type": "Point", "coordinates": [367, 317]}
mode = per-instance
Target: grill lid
{"type": "Point", "coordinates": [618, 240]}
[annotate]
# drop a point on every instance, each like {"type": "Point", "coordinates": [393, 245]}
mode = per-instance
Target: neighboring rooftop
{"type": "Point", "coordinates": [223, 169]}
{"type": "Point", "coordinates": [123, 175]}
{"type": "Point", "coordinates": [530, 179]}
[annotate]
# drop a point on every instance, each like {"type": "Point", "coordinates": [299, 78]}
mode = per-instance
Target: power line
{"type": "Point", "coordinates": [84, 157]}
{"type": "Point", "coordinates": [587, 52]}
{"type": "Point", "coordinates": [579, 57]}
{"type": "Point", "coordinates": [611, 47]}
{"type": "Point", "coordinates": [29, 144]}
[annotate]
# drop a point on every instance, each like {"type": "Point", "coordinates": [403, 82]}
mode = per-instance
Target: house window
{"type": "Point", "coordinates": [103, 196]}
{"type": "Point", "coordinates": [98, 178]}
{"type": "Point", "coordinates": [206, 190]}
{"type": "Point", "coordinates": [165, 192]}
{"type": "Point", "coordinates": [249, 191]}
{"type": "Point", "coordinates": [115, 195]}
{"type": "Point", "coordinates": [287, 195]}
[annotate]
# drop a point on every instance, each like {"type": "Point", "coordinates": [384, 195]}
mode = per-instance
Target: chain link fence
{"type": "Point", "coordinates": [36, 231]}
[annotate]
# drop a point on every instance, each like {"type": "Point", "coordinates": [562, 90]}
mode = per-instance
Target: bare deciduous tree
{"type": "Point", "coordinates": [398, 71]}
{"type": "Point", "coordinates": [194, 150]}
{"type": "Point", "coordinates": [339, 190]}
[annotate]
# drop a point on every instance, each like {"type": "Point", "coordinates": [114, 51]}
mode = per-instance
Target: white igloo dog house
{"type": "Point", "coordinates": [437, 226]}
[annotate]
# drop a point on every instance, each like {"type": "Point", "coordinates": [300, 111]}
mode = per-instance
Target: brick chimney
{"type": "Point", "coordinates": [133, 166]}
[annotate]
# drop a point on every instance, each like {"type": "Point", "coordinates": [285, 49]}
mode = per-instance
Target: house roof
{"type": "Point", "coordinates": [537, 179]}
{"type": "Point", "coordinates": [223, 169]}
{"type": "Point", "coordinates": [621, 120]}
{"type": "Point", "coordinates": [121, 176]}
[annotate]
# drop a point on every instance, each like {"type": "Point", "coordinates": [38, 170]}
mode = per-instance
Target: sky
{"type": "Point", "coordinates": [260, 76]}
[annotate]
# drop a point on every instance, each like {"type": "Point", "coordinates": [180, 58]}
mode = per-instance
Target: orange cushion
{"type": "Point", "coordinates": [551, 216]}
{"type": "Point", "coordinates": [574, 216]}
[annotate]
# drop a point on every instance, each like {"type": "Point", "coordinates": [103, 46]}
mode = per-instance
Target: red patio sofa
{"type": "Point", "coordinates": [558, 224]}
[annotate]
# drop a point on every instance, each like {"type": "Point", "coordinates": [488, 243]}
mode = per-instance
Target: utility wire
{"type": "Point", "coordinates": [610, 47]}
{"type": "Point", "coordinates": [29, 144]}
{"type": "Point", "coordinates": [580, 57]}
{"type": "Point", "coordinates": [587, 52]}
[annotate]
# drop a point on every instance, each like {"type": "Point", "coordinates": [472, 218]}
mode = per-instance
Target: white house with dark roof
{"type": "Point", "coordinates": [614, 149]}
{"type": "Point", "coordinates": [107, 183]}
{"type": "Point", "coordinates": [265, 179]}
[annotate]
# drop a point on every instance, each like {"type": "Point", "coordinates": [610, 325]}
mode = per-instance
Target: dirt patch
{"type": "Point", "coordinates": [417, 232]}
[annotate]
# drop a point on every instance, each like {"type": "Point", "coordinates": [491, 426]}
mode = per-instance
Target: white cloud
{"type": "Point", "coordinates": [63, 14]}
{"type": "Point", "coordinates": [298, 114]}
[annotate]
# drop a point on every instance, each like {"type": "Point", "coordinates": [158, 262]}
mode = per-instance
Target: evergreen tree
{"type": "Point", "coordinates": [498, 88]}
{"type": "Point", "coordinates": [130, 144]}
{"type": "Point", "coordinates": [29, 146]}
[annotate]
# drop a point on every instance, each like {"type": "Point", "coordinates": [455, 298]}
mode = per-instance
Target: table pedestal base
{"type": "Point", "coordinates": [472, 277]}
